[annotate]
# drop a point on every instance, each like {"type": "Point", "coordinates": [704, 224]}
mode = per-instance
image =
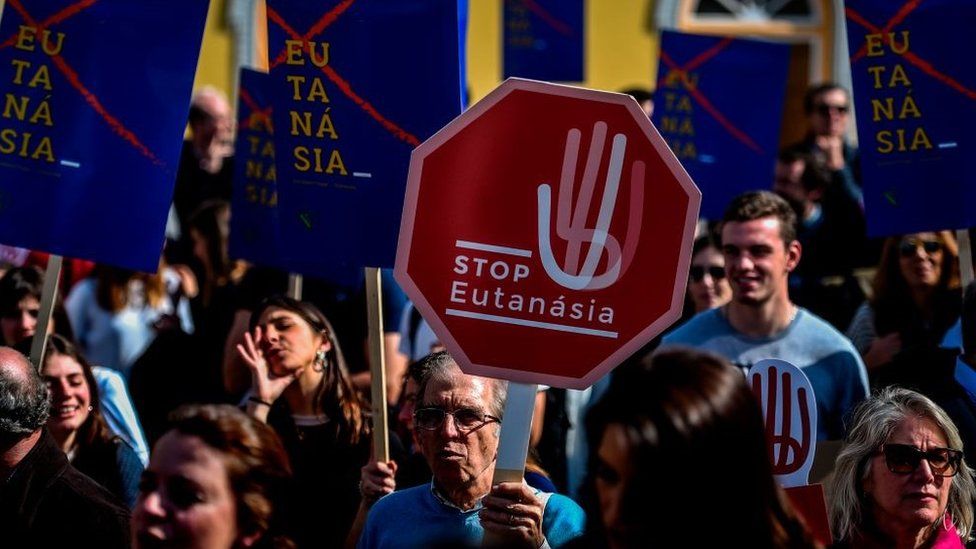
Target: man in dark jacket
{"type": "Point", "coordinates": [44, 501]}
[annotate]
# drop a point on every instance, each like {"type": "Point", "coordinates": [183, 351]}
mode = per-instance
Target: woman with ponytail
{"type": "Point", "coordinates": [301, 387]}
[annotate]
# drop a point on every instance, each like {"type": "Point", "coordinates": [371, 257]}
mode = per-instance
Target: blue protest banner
{"type": "Point", "coordinates": [254, 234]}
{"type": "Point", "coordinates": [95, 101]}
{"type": "Point", "coordinates": [719, 105]}
{"type": "Point", "coordinates": [543, 39]}
{"type": "Point", "coordinates": [356, 86]}
{"type": "Point", "coordinates": [915, 99]}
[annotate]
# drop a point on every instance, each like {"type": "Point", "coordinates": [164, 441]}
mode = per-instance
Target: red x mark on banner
{"type": "Point", "coordinates": [699, 97]}
{"type": "Point", "coordinates": [257, 111]}
{"type": "Point", "coordinates": [330, 17]}
{"type": "Point", "coordinates": [548, 18]}
{"type": "Point", "coordinates": [909, 56]}
{"type": "Point", "coordinates": [73, 79]}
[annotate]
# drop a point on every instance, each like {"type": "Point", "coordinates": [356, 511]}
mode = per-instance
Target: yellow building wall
{"type": "Point", "coordinates": [619, 51]}
{"type": "Point", "coordinates": [216, 65]}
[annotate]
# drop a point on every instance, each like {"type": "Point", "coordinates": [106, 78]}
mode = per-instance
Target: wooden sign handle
{"type": "Point", "coordinates": [295, 282]}
{"type": "Point", "coordinates": [52, 277]}
{"type": "Point", "coordinates": [374, 315]}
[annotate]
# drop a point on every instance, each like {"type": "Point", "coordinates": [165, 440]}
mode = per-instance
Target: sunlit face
{"type": "Point", "coordinates": [920, 258]}
{"type": "Point", "coordinates": [70, 394]}
{"type": "Point", "coordinates": [20, 323]}
{"type": "Point", "coordinates": [459, 458]}
{"type": "Point", "coordinates": [831, 113]}
{"type": "Point", "coordinates": [708, 285]}
{"type": "Point", "coordinates": [757, 261]}
{"type": "Point", "coordinates": [614, 473]}
{"type": "Point", "coordinates": [908, 501]}
{"type": "Point", "coordinates": [185, 498]}
{"type": "Point", "coordinates": [288, 342]}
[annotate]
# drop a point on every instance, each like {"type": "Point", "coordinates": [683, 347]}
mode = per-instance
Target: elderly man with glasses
{"type": "Point", "coordinates": [457, 422]}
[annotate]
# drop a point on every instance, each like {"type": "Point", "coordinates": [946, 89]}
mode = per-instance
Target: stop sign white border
{"type": "Point", "coordinates": [410, 211]}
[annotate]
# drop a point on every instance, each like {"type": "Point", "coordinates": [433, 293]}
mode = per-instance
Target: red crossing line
{"type": "Point", "coordinates": [909, 56]}
{"type": "Point", "coordinates": [701, 99]}
{"type": "Point", "coordinates": [336, 79]}
{"type": "Point", "coordinates": [53, 20]}
{"type": "Point", "coordinates": [89, 97]}
{"type": "Point", "coordinates": [548, 18]}
{"type": "Point", "coordinates": [903, 12]}
{"type": "Point", "coordinates": [706, 55]}
{"type": "Point", "coordinates": [316, 29]}
{"type": "Point", "coordinates": [257, 110]}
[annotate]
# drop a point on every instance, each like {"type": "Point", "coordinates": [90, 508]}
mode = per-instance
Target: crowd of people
{"type": "Point", "coordinates": [200, 407]}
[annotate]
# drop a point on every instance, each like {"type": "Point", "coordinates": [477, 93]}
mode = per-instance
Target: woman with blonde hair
{"type": "Point", "coordinates": [901, 480]}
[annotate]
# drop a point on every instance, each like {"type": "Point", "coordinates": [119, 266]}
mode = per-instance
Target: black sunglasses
{"type": "Point", "coordinates": [908, 246]}
{"type": "Point", "coordinates": [903, 459]}
{"type": "Point", "coordinates": [465, 419]}
{"type": "Point", "coordinates": [824, 109]}
{"type": "Point", "coordinates": [698, 272]}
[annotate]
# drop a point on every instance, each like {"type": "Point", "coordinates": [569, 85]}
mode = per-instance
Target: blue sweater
{"type": "Point", "coordinates": [416, 518]}
{"type": "Point", "coordinates": [834, 367]}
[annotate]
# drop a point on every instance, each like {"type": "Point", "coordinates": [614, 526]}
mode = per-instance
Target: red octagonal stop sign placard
{"type": "Point", "coordinates": [546, 233]}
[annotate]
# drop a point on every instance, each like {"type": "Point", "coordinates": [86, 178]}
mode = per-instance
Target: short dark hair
{"type": "Point", "coordinates": [759, 204]}
{"type": "Point", "coordinates": [815, 175]}
{"type": "Point", "coordinates": [815, 91]}
{"type": "Point", "coordinates": [20, 283]}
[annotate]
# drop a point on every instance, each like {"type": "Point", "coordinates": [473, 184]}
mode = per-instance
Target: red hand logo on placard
{"type": "Point", "coordinates": [73, 79]}
{"type": "Point", "coordinates": [570, 221]}
{"type": "Point", "coordinates": [793, 450]}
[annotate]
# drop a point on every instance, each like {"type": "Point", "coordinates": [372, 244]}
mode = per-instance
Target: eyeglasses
{"type": "Point", "coordinates": [825, 109]}
{"type": "Point", "coordinates": [909, 246]}
{"type": "Point", "coordinates": [698, 272]}
{"type": "Point", "coordinates": [903, 459]}
{"type": "Point", "coordinates": [465, 419]}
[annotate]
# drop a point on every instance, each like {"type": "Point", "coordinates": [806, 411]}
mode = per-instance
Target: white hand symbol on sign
{"type": "Point", "coordinates": [570, 222]}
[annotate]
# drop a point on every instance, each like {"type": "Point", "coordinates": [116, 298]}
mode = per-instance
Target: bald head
{"type": "Point", "coordinates": [24, 401]}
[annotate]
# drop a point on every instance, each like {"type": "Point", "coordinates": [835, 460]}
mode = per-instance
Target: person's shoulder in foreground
{"type": "Point", "coordinates": [415, 518]}
{"type": "Point", "coordinates": [58, 504]}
